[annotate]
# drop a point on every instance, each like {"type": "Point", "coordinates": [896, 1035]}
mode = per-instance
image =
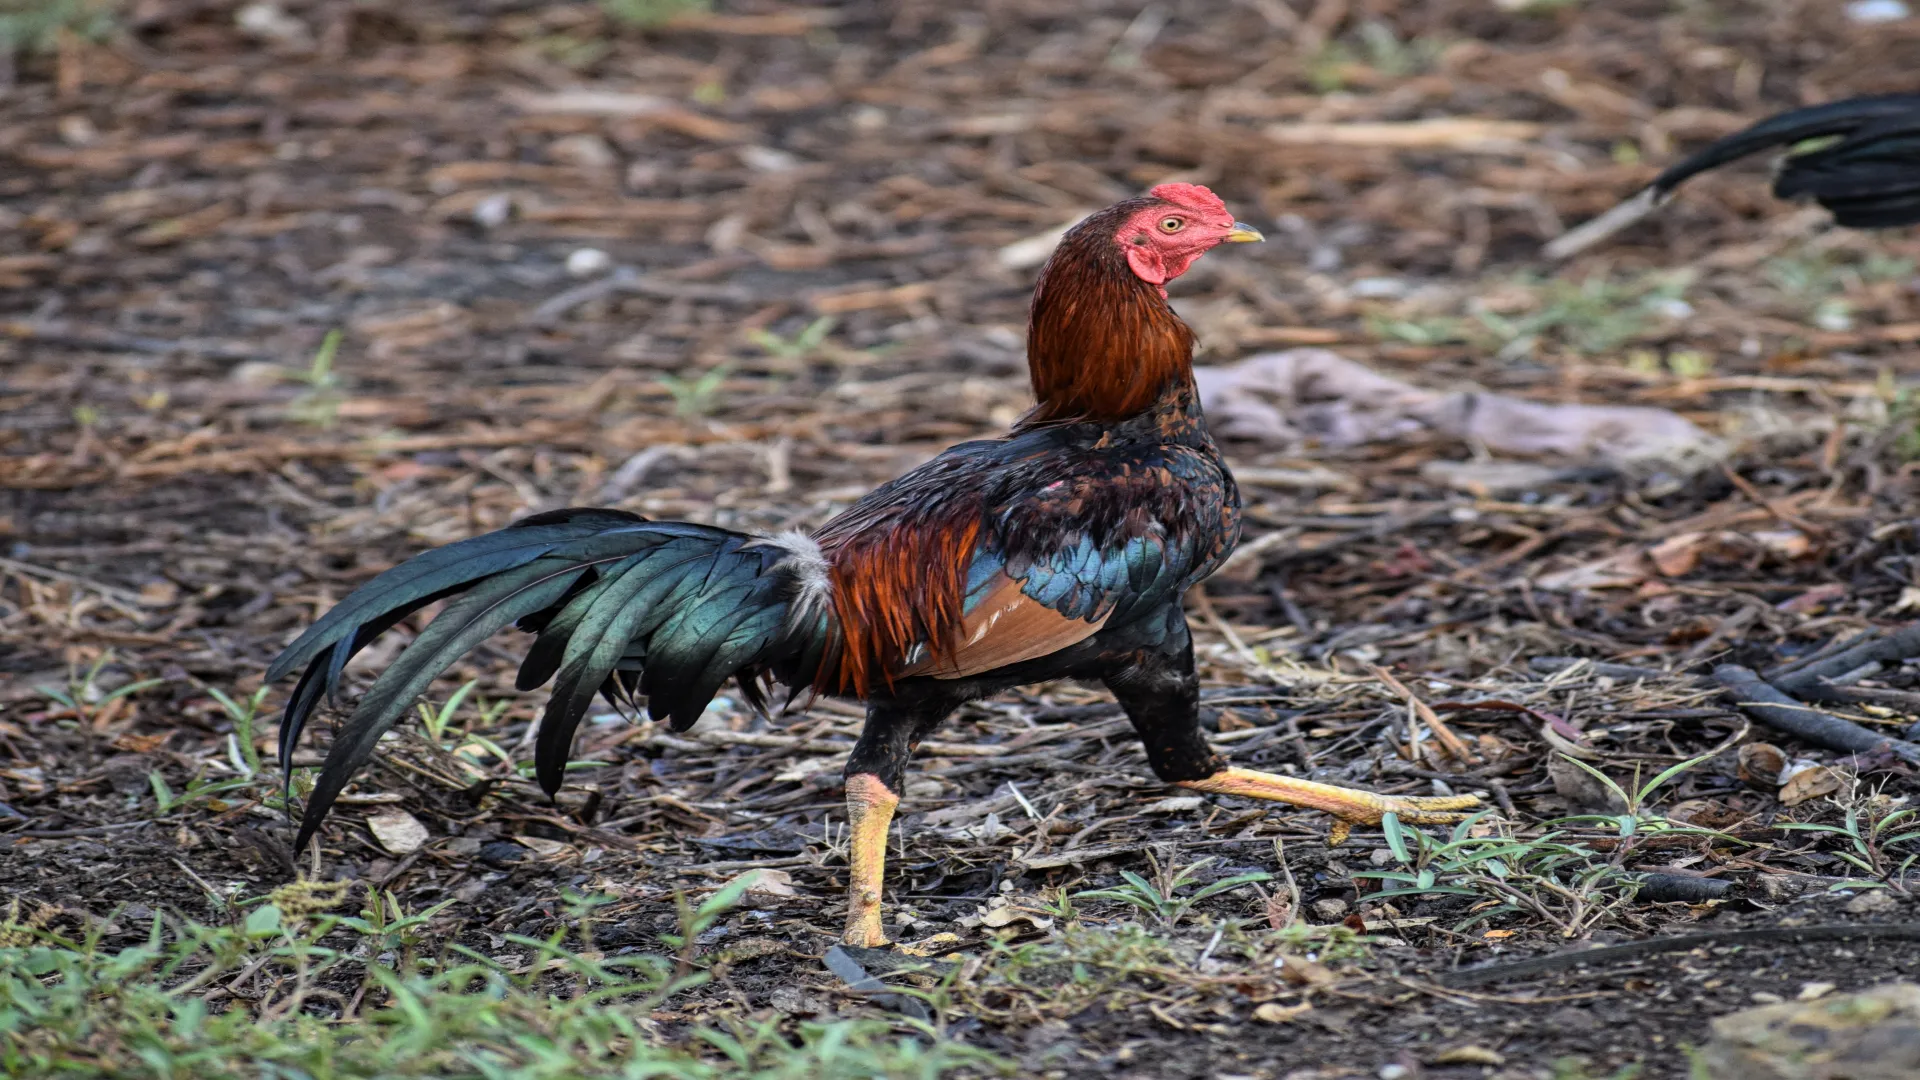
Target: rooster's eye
{"type": "Point", "coordinates": [1171, 224]}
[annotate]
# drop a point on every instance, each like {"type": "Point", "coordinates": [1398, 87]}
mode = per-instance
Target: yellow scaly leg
{"type": "Point", "coordinates": [1348, 806]}
{"type": "Point", "coordinates": [869, 812]}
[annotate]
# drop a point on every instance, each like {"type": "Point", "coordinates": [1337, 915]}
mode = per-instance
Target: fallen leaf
{"type": "Point", "coordinates": [1761, 764]}
{"type": "Point", "coordinates": [1572, 747]}
{"type": "Point", "coordinates": [158, 593]}
{"type": "Point", "coordinates": [370, 798]}
{"type": "Point", "coordinates": [1280, 910]}
{"type": "Point", "coordinates": [398, 831]}
{"type": "Point", "coordinates": [134, 743]}
{"type": "Point", "coordinates": [1178, 804]}
{"type": "Point", "coordinates": [1468, 1055]}
{"type": "Point", "coordinates": [1001, 913]}
{"type": "Point", "coordinates": [806, 767]}
{"type": "Point", "coordinates": [1621, 570]}
{"type": "Point", "coordinates": [542, 846]}
{"type": "Point", "coordinates": [1233, 721]}
{"type": "Point", "coordinates": [1275, 1013]}
{"type": "Point", "coordinates": [1706, 813]}
{"type": "Point", "coordinates": [1873, 902]}
{"type": "Point", "coordinates": [1786, 543]}
{"type": "Point", "coordinates": [1303, 972]}
{"type": "Point", "coordinates": [767, 882]}
{"type": "Point", "coordinates": [1810, 783]}
{"type": "Point", "coordinates": [1815, 600]}
{"type": "Point", "coordinates": [1676, 556]}
{"type": "Point", "coordinates": [1494, 748]}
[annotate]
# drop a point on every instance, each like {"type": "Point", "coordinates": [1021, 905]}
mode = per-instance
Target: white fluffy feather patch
{"type": "Point", "coordinates": [809, 566]}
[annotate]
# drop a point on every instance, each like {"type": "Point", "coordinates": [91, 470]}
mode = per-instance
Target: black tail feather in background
{"type": "Point", "coordinates": [1859, 158]}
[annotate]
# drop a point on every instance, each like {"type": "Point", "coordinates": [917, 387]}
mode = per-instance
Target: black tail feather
{"type": "Point", "coordinates": [622, 607]}
{"type": "Point", "coordinates": [1867, 171]}
{"type": "Point", "coordinates": [466, 622]}
{"type": "Point", "coordinates": [1871, 179]}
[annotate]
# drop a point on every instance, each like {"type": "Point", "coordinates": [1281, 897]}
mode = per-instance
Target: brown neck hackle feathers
{"type": "Point", "coordinates": [1102, 345]}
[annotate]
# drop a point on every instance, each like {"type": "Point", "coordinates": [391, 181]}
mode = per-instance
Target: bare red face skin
{"type": "Point", "coordinates": [1162, 240]}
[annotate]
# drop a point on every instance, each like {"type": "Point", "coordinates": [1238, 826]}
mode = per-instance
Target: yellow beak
{"type": "Point", "coordinates": [1242, 233]}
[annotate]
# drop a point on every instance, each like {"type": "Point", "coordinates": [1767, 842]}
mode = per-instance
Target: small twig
{"type": "Point", "coordinates": [218, 902]}
{"type": "Point", "coordinates": [1786, 516]}
{"type": "Point", "coordinates": [1059, 757]}
{"type": "Point", "coordinates": [1732, 627]}
{"type": "Point", "coordinates": [555, 307]}
{"type": "Point", "coordinates": [1032, 814]}
{"type": "Point", "coordinates": [1376, 529]}
{"type": "Point", "coordinates": [90, 830]}
{"type": "Point", "coordinates": [123, 601]}
{"type": "Point", "coordinates": [1204, 605]}
{"type": "Point", "coordinates": [1553, 665]}
{"type": "Point", "coordinates": [80, 337]}
{"type": "Point", "coordinates": [1906, 701]}
{"type": "Point", "coordinates": [1293, 887]}
{"type": "Point", "coordinates": [626, 279]}
{"type": "Point", "coordinates": [1777, 710]}
{"type": "Point", "coordinates": [1501, 796]}
{"type": "Point", "coordinates": [1302, 753]}
{"type": "Point", "coordinates": [1730, 741]}
{"type": "Point", "coordinates": [1441, 731]}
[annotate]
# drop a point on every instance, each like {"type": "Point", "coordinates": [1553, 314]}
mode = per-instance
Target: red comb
{"type": "Point", "coordinates": [1190, 197]}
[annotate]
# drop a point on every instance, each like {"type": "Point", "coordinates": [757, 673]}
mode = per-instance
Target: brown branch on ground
{"type": "Point", "coordinates": [1815, 680]}
{"type": "Point", "coordinates": [1767, 704]}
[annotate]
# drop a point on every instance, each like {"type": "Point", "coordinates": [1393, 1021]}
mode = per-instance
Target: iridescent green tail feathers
{"type": "Point", "coordinates": [621, 606]}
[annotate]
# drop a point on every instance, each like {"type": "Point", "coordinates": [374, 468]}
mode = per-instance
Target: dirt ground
{"type": "Point", "coordinates": [814, 219]}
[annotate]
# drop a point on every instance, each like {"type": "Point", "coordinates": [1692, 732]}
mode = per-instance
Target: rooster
{"type": "Point", "coordinates": [1060, 550]}
{"type": "Point", "coordinates": [1859, 158]}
